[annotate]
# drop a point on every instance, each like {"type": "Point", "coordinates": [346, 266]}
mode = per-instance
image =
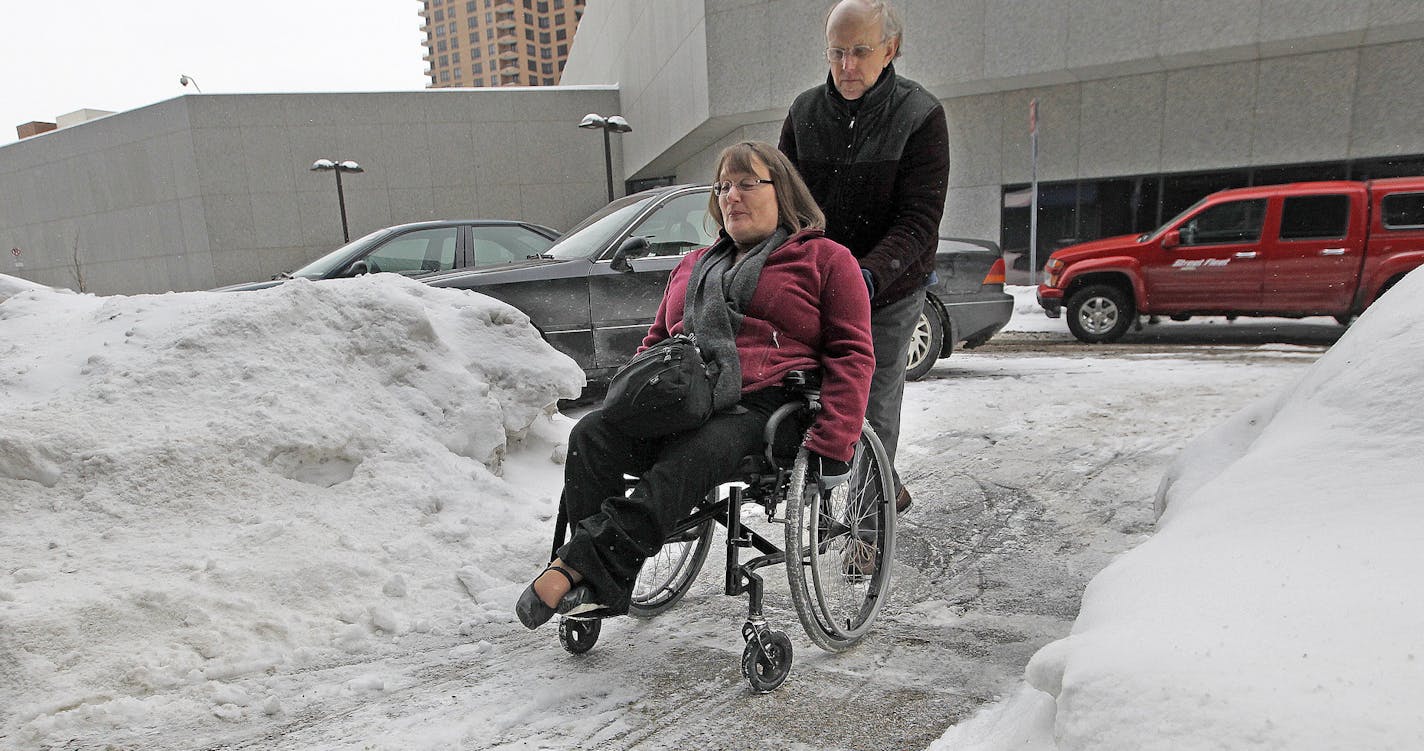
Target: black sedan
{"type": "Point", "coordinates": [424, 248]}
{"type": "Point", "coordinates": [594, 294]}
{"type": "Point", "coordinates": [965, 304]}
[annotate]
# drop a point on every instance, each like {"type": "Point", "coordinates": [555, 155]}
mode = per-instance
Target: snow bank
{"type": "Point", "coordinates": [1277, 606]}
{"type": "Point", "coordinates": [202, 486]}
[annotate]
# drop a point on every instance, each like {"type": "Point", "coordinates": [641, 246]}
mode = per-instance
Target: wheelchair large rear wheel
{"type": "Point", "coordinates": [667, 576]}
{"type": "Point", "coordinates": [840, 546]}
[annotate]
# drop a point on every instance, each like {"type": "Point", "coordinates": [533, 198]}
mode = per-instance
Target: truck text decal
{"type": "Point", "coordinates": [1191, 264]}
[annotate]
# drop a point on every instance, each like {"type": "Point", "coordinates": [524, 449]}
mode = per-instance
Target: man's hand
{"type": "Point", "coordinates": [829, 472]}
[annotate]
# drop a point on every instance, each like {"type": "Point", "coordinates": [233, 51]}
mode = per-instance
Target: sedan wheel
{"type": "Point", "coordinates": [925, 343]}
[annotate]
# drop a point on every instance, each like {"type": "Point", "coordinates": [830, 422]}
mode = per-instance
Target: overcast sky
{"type": "Point", "coordinates": [119, 55]}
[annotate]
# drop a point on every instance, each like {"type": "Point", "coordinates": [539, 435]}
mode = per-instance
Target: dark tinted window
{"type": "Point", "coordinates": [1233, 222]}
{"type": "Point", "coordinates": [1403, 210]}
{"type": "Point", "coordinates": [1315, 217]}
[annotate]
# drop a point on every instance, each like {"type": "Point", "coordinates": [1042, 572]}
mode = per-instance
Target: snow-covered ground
{"type": "Point", "coordinates": [1276, 606]}
{"type": "Point", "coordinates": [261, 516]}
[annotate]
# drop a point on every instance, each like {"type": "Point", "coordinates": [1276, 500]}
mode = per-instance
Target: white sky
{"type": "Point", "coordinates": [101, 54]}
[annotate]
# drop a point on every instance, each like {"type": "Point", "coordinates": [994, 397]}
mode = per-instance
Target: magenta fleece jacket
{"type": "Point", "coordinates": [810, 311]}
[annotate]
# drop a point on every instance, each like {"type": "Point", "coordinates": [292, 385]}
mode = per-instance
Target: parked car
{"type": "Point", "coordinates": [594, 294]}
{"type": "Point", "coordinates": [966, 303]}
{"type": "Point", "coordinates": [424, 248]}
{"type": "Point", "coordinates": [1292, 250]}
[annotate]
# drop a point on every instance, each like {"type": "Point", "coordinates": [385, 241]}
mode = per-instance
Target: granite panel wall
{"type": "Point", "coordinates": [205, 190]}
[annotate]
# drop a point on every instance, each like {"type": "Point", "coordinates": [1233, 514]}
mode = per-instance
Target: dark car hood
{"type": "Point", "coordinates": [248, 286]}
{"type": "Point", "coordinates": [1107, 246]}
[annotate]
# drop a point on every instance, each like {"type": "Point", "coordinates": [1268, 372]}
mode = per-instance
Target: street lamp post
{"type": "Point", "coordinates": [614, 124]}
{"type": "Point", "coordinates": [325, 165]}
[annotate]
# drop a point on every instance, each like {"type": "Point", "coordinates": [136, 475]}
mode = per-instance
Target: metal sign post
{"type": "Point", "coordinates": [1033, 200]}
{"type": "Point", "coordinates": [16, 253]}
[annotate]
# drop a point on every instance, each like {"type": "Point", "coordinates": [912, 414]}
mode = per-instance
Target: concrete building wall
{"type": "Point", "coordinates": [205, 190]}
{"type": "Point", "coordinates": [1125, 87]}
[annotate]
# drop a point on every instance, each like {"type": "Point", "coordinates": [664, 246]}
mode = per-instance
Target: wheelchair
{"type": "Point", "coordinates": [838, 550]}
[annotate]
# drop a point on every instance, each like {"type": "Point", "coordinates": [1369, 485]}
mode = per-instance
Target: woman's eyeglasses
{"type": "Point", "coordinates": [745, 186]}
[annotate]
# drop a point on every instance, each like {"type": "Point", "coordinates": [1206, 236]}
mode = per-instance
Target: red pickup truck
{"type": "Point", "coordinates": [1293, 250]}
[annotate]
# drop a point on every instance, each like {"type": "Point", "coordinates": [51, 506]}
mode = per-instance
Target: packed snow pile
{"type": "Point", "coordinates": [1277, 606]}
{"type": "Point", "coordinates": [201, 486]}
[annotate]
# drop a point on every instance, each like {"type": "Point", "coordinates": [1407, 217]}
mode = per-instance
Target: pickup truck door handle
{"type": "Point", "coordinates": [1333, 252]}
{"type": "Point", "coordinates": [1246, 254]}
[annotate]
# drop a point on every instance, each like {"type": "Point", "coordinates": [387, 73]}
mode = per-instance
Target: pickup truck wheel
{"type": "Point", "coordinates": [925, 343]}
{"type": "Point", "coordinates": [1100, 313]}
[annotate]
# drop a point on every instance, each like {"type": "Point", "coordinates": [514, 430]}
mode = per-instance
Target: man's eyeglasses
{"type": "Point", "coordinates": [858, 53]}
{"type": "Point", "coordinates": [746, 186]}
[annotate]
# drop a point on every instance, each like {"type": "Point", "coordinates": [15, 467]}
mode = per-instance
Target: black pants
{"type": "Point", "coordinates": [613, 531]}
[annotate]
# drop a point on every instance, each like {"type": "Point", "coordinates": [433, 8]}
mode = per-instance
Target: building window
{"type": "Point", "coordinates": [474, 53]}
{"type": "Point", "coordinates": [454, 43]}
{"type": "Point", "coordinates": [477, 68]}
{"type": "Point", "coordinates": [440, 31]}
{"type": "Point", "coordinates": [470, 6]}
{"type": "Point", "coordinates": [533, 67]}
{"type": "Point", "coordinates": [558, 4]}
{"type": "Point", "coordinates": [543, 22]}
{"type": "Point", "coordinates": [489, 33]}
{"type": "Point", "coordinates": [470, 24]}
{"type": "Point", "coordinates": [492, 49]}
{"type": "Point", "coordinates": [455, 58]}
{"type": "Point", "coordinates": [543, 37]}
{"type": "Point", "coordinates": [563, 50]}
{"type": "Point", "coordinates": [561, 34]}
{"type": "Point", "coordinates": [548, 82]}
{"type": "Point", "coordinates": [546, 68]}
{"type": "Point", "coordinates": [528, 19]}
{"type": "Point", "coordinates": [441, 45]}
{"type": "Point", "coordinates": [439, 15]}
{"type": "Point", "coordinates": [444, 76]}
{"type": "Point", "coordinates": [545, 53]}
{"type": "Point", "coordinates": [474, 37]}
{"type": "Point", "coordinates": [444, 60]}
{"type": "Point", "coordinates": [489, 17]}
{"type": "Point", "coordinates": [454, 26]}
{"type": "Point", "coordinates": [457, 74]}
{"type": "Point", "coordinates": [542, 7]}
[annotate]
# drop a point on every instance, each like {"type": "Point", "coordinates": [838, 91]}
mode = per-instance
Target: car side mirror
{"type": "Point", "coordinates": [1171, 240]}
{"type": "Point", "coordinates": [633, 247]}
{"type": "Point", "coordinates": [358, 268]}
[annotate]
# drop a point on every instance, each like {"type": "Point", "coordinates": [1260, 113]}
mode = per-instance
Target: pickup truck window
{"type": "Point", "coordinates": [1403, 210]}
{"type": "Point", "coordinates": [1315, 217]}
{"type": "Point", "coordinates": [1232, 222]}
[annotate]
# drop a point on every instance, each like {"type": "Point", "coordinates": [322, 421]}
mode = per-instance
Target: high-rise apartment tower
{"type": "Point", "coordinates": [498, 42]}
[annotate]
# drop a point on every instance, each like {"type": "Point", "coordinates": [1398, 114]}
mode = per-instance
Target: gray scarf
{"type": "Point", "coordinates": [717, 293]}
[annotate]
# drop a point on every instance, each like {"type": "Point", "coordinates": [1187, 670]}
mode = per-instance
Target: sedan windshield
{"type": "Point", "coordinates": [592, 234]}
{"type": "Point", "coordinates": [322, 267]}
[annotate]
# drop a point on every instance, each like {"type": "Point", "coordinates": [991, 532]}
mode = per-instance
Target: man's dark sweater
{"type": "Point", "coordinates": [879, 167]}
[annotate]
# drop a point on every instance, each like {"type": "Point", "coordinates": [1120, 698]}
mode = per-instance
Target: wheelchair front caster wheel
{"type": "Point", "coordinates": [766, 668]}
{"type": "Point", "coordinates": [579, 636]}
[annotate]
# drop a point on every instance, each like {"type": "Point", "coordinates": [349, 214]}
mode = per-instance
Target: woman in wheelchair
{"type": "Point", "coordinates": [771, 295]}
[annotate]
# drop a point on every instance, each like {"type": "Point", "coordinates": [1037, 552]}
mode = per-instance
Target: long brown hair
{"type": "Point", "coordinates": [796, 209]}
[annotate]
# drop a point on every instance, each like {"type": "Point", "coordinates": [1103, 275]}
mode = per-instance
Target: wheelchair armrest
{"type": "Point", "coordinates": [802, 379]}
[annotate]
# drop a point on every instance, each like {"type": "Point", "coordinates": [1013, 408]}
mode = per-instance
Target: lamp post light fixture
{"type": "Point", "coordinates": [614, 124]}
{"type": "Point", "coordinates": [328, 165]}
{"type": "Point", "coordinates": [184, 80]}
